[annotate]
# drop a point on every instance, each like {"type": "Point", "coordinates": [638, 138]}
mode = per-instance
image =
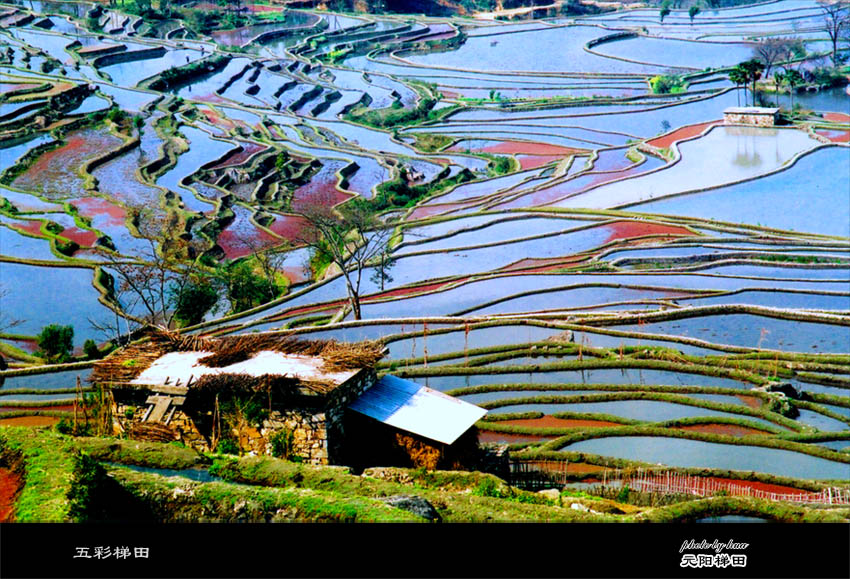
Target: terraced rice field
{"type": "Point", "coordinates": [618, 276]}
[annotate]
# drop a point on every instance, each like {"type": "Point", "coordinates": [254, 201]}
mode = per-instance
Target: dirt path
{"type": "Point", "coordinates": [10, 484]}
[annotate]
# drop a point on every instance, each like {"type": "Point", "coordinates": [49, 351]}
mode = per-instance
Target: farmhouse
{"type": "Point", "coordinates": [316, 401]}
{"type": "Point", "coordinates": [759, 116]}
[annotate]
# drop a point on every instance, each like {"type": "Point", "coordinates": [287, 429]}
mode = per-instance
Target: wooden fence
{"type": "Point", "coordinates": [534, 475]}
{"type": "Point", "coordinates": [543, 474]}
{"type": "Point", "coordinates": [675, 483]}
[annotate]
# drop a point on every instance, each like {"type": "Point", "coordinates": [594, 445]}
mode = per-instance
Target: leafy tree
{"type": "Point", "coordinates": [747, 72]}
{"type": "Point", "coordinates": [116, 115]}
{"type": "Point", "coordinates": [269, 260]}
{"type": "Point", "coordinates": [739, 77]}
{"type": "Point", "coordinates": [692, 12]}
{"type": "Point", "coordinates": [779, 80]}
{"type": "Point", "coordinates": [667, 84]}
{"type": "Point", "coordinates": [281, 160]}
{"type": "Point", "coordinates": [193, 300]}
{"type": "Point", "coordinates": [91, 350]}
{"type": "Point", "coordinates": [245, 289]}
{"type": "Point", "coordinates": [793, 79]}
{"type": "Point", "coordinates": [753, 68]}
{"type": "Point", "coordinates": [56, 341]}
{"type": "Point", "coordinates": [665, 11]}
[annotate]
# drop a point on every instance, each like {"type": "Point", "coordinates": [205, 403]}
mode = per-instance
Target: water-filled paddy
{"type": "Point", "coordinates": [644, 410]}
{"type": "Point", "coordinates": [732, 519]}
{"type": "Point", "coordinates": [203, 149]}
{"type": "Point", "coordinates": [756, 331]}
{"type": "Point", "coordinates": [14, 244]}
{"type": "Point", "coordinates": [677, 53]}
{"type": "Point", "coordinates": [479, 292]}
{"type": "Point", "coordinates": [557, 49]}
{"type": "Point", "coordinates": [49, 381]}
{"type": "Point", "coordinates": [505, 230]}
{"type": "Point", "coordinates": [634, 376]}
{"type": "Point", "coordinates": [55, 174]}
{"type": "Point", "coordinates": [26, 203]}
{"type": "Point", "coordinates": [810, 195]}
{"type": "Point", "coordinates": [131, 73]}
{"type": "Point", "coordinates": [694, 453]}
{"type": "Point", "coordinates": [458, 341]}
{"type": "Point", "coordinates": [724, 155]}
{"type": "Point", "coordinates": [778, 300]}
{"type": "Point", "coordinates": [65, 296]}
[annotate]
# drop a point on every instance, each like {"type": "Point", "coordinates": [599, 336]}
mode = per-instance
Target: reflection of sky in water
{"type": "Point", "coordinates": [695, 453]}
{"type": "Point", "coordinates": [811, 196]}
{"type": "Point", "coordinates": [64, 296]}
{"type": "Point", "coordinates": [723, 155]}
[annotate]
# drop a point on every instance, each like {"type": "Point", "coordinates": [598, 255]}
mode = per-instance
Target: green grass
{"type": "Point", "coordinates": [62, 477]}
{"type": "Point", "coordinates": [141, 453]}
{"type": "Point", "coordinates": [747, 506]}
{"type": "Point", "coordinates": [58, 478]}
{"type": "Point", "coordinates": [431, 142]}
{"type": "Point", "coordinates": [397, 116]}
{"type": "Point", "coordinates": [180, 500]}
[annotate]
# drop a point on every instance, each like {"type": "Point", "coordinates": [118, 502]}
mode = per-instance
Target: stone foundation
{"type": "Point", "coordinates": [758, 120]}
{"type": "Point", "coordinates": [183, 424]}
{"type": "Point", "coordinates": [318, 432]}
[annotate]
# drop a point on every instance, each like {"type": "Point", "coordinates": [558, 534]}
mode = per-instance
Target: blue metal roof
{"type": "Point", "coordinates": [417, 409]}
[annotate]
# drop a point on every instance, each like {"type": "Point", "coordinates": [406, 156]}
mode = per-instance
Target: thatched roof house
{"type": "Point", "coordinates": [272, 394]}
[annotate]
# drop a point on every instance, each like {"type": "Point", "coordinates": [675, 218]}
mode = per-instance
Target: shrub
{"type": "Point", "coordinates": [56, 341]}
{"type": "Point", "coordinates": [282, 444]}
{"type": "Point", "coordinates": [500, 166]}
{"type": "Point", "coordinates": [245, 288]}
{"type": "Point", "coordinates": [91, 350]}
{"type": "Point", "coordinates": [116, 115]}
{"type": "Point", "coordinates": [667, 84]}
{"type": "Point", "coordinates": [66, 247]}
{"type": "Point", "coordinates": [227, 446]}
{"type": "Point", "coordinates": [193, 301]}
{"type": "Point", "coordinates": [488, 488]}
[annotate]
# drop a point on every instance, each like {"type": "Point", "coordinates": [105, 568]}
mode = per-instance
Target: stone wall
{"type": "Point", "coordinates": [337, 403]}
{"type": "Point", "coordinates": [317, 430]}
{"type": "Point", "coordinates": [183, 425]}
{"type": "Point", "coordinates": [749, 119]}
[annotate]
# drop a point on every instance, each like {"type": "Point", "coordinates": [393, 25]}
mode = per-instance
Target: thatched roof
{"type": "Point", "coordinates": [243, 362]}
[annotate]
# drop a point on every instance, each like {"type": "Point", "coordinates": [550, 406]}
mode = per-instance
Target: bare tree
{"type": "Point", "coordinates": [351, 238]}
{"type": "Point", "coordinates": [775, 49]}
{"type": "Point", "coordinates": [169, 263]}
{"type": "Point", "coordinates": [270, 260]}
{"type": "Point", "coordinates": [836, 23]}
{"type": "Point", "coordinates": [381, 274]}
